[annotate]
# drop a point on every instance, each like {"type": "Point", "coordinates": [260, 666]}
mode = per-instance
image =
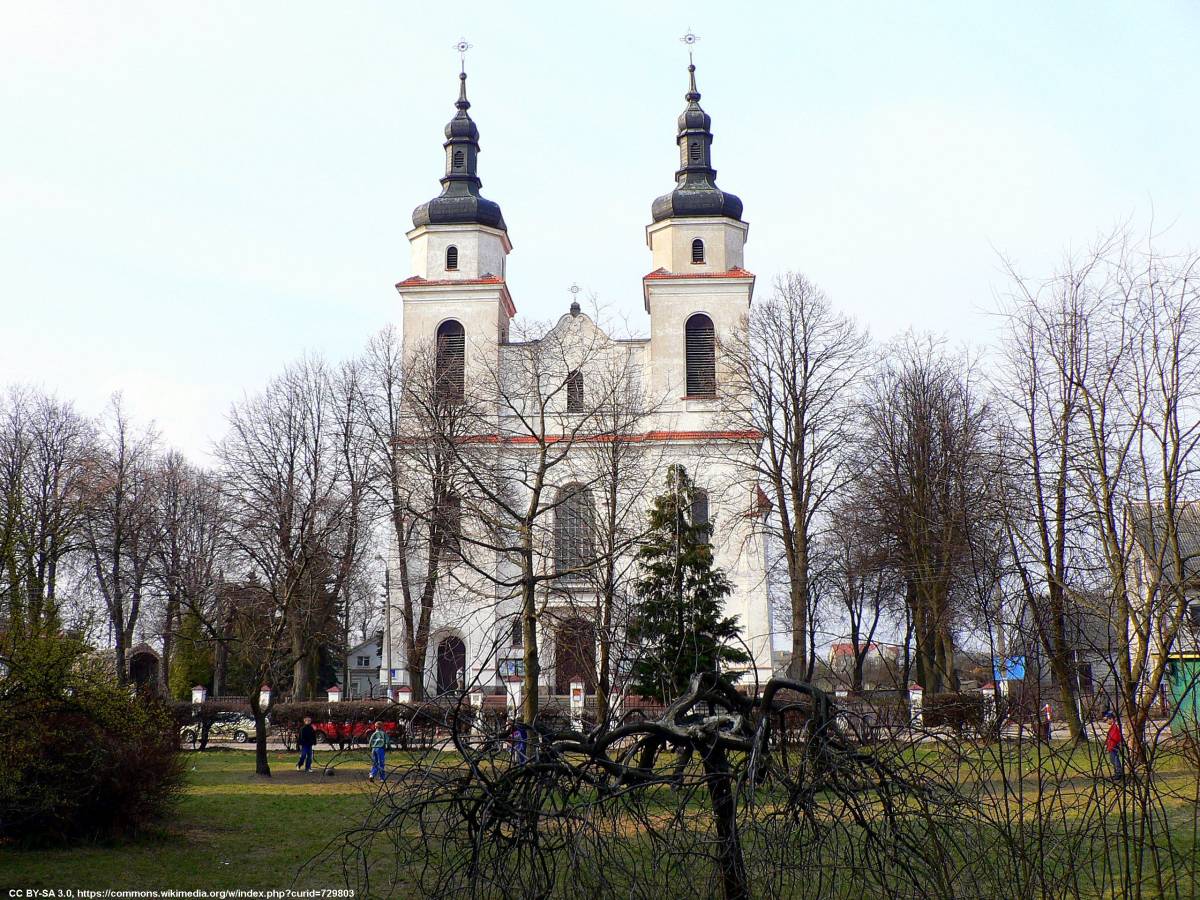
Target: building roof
{"type": "Point", "coordinates": [1157, 536]}
{"type": "Point", "coordinates": [460, 202]}
{"type": "Point", "coordinates": [696, 192]}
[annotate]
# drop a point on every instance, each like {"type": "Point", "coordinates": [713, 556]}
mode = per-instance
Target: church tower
{"type": "Point", "coordinates": [698, 290]}
{"type": "Point", "coordinates": [459, 243]}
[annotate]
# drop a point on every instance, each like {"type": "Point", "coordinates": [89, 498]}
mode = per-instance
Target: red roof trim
{"type": "Point", "coordinates": [735, 272]}
{"type": "Point", "coordinates": [416, 280]}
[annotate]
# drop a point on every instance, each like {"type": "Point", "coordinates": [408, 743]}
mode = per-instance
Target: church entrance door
{"type": "Point", "coordinates": [575, 655]}
{"type": "Point", "coordinates": [451, 665]}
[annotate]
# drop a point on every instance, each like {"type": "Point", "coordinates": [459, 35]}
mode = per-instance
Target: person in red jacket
{"type": "Point", "coordinates": [1113, 744]}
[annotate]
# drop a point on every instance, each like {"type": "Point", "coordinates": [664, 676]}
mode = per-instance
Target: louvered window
{"type": "Point", "coordinates": [451, 259]}
{"type": "Point", "coordinates": [697, 252]}
{"type": "Point", "coordinates": [701, 356]}
{"type": "Point", "coordinates": [695, 151]}
{"type": "Point", "coordinates": [458, 159]}
{"type": "Point", "coordinates": [573, 530]}
{"type": "Point", "coordinates": [451, 351]}
{"type": "Point", "coordinates": [575, 391]}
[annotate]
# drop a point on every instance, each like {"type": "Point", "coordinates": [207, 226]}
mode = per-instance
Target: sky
{"type": "Point", "coordinates": [194, 194]}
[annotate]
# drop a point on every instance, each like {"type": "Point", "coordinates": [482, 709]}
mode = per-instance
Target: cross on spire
{"type": "Point", "coordinates": [689, 39]}
{"type": "Point", "coordinates": [462, 47]}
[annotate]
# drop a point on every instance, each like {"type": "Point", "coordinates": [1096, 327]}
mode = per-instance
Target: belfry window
{"type": "Point", "coordinates": [458, 159]}
{"type": "Point", "coordinates": [451, 258]}
{"type": "Point", "coordinates": [451, 353]}
{"type": "Point", "coordinates": [701, 356]}
{"type": "Point", "coordinates": [695, 151]}
{"type": "Point", "coordinates": [573, 530]}
{"type": "Point", "coordinates": [697, 252]}
{"type": "Point", "coordinates": [575, 391]}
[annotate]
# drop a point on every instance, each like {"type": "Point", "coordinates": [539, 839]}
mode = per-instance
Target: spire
{"type": "Point", "coordinates": [460, 202]}
{"type": "Point", "coordinates": [696, 192]}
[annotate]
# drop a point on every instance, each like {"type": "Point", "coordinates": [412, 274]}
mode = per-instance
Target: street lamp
{"type": "Point", "coordinates": [387, 622]}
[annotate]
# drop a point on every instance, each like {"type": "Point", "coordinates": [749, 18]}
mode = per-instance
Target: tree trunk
{"type": "Point", "coordinates": [262, 765]}
{"type": "Point", "coordinates": [729, 846]}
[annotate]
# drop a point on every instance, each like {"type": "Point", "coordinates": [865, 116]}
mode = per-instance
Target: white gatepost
{"type": "Point", "coordinates": [916, 704]}
{"type": "Point", "coordinates": [577, 697]}
{"type": "Point", "coordinates": [514, 691]}
{"type": "Point", "coordinates": [199, 693]}
{"type": "Point", "coordinates": [264, 696]}
{"type": "Point", "coordinates": [335, 694]}
{"type": "Point", "coordinates": [476, 698]}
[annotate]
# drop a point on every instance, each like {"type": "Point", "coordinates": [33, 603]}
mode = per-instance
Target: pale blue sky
{"type": "Point", "coordinates": [193, 194]}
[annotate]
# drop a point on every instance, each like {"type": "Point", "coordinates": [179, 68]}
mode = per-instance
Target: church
{"type": "Point", "coordinates": [696, 292]}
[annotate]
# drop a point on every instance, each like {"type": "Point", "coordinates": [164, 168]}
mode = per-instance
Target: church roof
{"type": "Point", "coordinates": [460, 202]}
{"type": "Point", "coordinates": [696, 192]}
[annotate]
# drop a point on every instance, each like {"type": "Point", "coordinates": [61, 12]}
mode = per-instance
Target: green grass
{"type": "Point", "coordinates": [233, 829]}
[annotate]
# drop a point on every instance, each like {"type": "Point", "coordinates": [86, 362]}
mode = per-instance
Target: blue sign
{"type": "Point", "coordinates": [1011, 668]}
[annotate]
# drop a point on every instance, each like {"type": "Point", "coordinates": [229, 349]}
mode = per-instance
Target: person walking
{"type": "Point", "coordinates": [1114, 743]}
{"type": "Point", "coordinates": [306, 740]}
{"type": "Point", "coordinates": [379, 745]}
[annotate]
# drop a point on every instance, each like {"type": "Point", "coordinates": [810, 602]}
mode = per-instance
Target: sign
{"type": "Point", "coordinates": [577, 705]}
{"type": "Point", "coordinates": [199, 693]}
{"type": "Point", "coordinates": [335, 694]}
{"type": "Point", "coordinates": [1005, 668]}
{"type": "Point", "coordinates": [264, 697]}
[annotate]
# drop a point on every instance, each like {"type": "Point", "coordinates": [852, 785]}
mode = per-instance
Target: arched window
{"type": "Point", "coordinates": [451, 351]}
{"type": "Point", "coordinates": [451, 259]}
{"type": "Point", "coordinates": [701, 354]}
{"type": "Point", "coordinates": [697, 252]}
{"type": "Point", "coordinates": [575, 391]}
{"type": "Point", "coordinates": [573, 530]}
{"type": "Point", "coordinates": [458, 159]}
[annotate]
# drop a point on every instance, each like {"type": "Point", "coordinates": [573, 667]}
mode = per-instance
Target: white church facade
{"type": "Point", "coordinates": [696, 293]}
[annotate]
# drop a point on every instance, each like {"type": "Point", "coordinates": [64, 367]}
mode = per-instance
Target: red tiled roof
{"type": "Point", "coordinates": [735, 272]}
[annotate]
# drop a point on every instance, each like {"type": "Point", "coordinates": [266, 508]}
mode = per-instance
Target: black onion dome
{"type": "Point", "coordinates": [460, 202]}
{"type": "Point", "coordinates": [696, 192]}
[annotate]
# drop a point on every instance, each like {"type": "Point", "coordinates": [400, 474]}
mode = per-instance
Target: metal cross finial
{"type": "Point", "coordinates": [689, 39]}
{"type": "Point", "coordinates": [462, 47]}
{"type": "Point", "coordinates": [574, 288]}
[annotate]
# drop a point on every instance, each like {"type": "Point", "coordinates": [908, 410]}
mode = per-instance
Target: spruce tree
{"type": "Point", "coordinates": [678, 627]}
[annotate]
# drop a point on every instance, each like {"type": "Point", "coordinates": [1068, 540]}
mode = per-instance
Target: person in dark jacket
{"type": "Point", "coordinates": [306, 740]}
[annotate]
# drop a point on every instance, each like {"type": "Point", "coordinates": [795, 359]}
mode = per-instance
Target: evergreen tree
{"type": "Point", "coordinates": [192, 661]}
{"type": "Point", "coordinates": [678, 625]}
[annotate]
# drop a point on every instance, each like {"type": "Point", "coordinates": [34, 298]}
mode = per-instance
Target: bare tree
{"type": "Point", "coordinates": [925, 477]}
{"type": "Point", "coordinates": [796, 364]}
{"type": "Point", "coordinates": [289, 524]}
{"type": "Point", "coordinates": [44, 446]}
{"type": "Point", "coordinates": [118, 532]}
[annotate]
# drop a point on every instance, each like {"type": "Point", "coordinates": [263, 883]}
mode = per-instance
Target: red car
{"type": "Point", "coordinates": [351, 733]}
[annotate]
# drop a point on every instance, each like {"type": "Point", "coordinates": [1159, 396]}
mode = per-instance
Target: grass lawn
{"type": "Point", "coordinates": [232, 829]}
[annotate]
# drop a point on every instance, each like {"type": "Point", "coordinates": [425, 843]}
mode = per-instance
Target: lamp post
{"type": "Point", "coordinates": [387, 623]}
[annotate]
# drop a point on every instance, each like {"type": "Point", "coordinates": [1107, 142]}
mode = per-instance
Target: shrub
{"type": "Point", "coordinates": [957, 711]}
{"type": "Point", "coordinates": [80, 756]}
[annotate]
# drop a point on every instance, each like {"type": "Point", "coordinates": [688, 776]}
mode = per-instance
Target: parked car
{"type": "Point", "coordinates": [350, 733]}
{"type": "Point", "coordinates": [227, 725]}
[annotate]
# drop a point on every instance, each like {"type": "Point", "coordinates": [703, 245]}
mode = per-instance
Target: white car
{"type": "Point", "coordinates": [226, 724]}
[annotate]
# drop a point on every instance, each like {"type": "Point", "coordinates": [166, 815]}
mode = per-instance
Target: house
{"type": "Point", "coordinates": [1164, 596]}
{"type": "Point", "coordinates": [457, 300]}
{"type": "Point", "coordinates": [364, 664]}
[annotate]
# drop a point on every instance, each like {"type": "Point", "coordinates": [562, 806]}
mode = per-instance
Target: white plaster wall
{"type": "Point", "coordinates": [481, 251]}
{"type": "Point", "coordinates": [670, 243]}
